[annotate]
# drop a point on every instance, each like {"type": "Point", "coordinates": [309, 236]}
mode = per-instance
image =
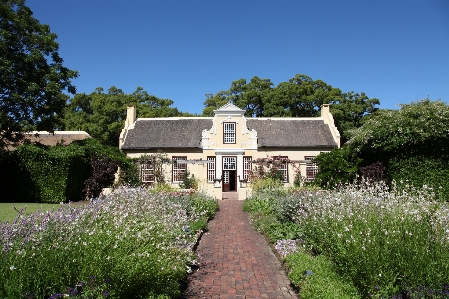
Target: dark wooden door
{"type": "Point", "coordinates": [229, 174]}
{"type": "Point", "coordinates": [226, 181]}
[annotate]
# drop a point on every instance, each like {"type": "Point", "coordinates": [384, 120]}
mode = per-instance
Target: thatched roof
{"type": "Point", "coordinates": [278, 132]}
{"type": "Point", "coordinates": [186, 133]}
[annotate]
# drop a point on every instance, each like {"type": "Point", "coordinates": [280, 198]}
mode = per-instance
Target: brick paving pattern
{"type": "Point", "coordinates": [235, 261]}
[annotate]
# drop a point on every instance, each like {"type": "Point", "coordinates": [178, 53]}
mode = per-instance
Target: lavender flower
{"type": "Point", "coordinates": [286, 247]}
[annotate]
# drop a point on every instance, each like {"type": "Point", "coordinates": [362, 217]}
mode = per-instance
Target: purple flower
{"type": "Point", "coordinates": [57, 295]}
{"type": "Point", "coordinates": [73, 291]}
{"type": "Point", "coordinates": [106, 293]}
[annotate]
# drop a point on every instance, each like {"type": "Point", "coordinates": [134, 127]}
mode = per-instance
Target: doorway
{"type": "Point", "coordinates": [229, 174]}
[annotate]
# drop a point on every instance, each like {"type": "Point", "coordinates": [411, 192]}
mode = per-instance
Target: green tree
{"type": "Point", "coordinates": [350, 110]}
{"type": "Point", "coordinates": [31, 74]}
{"type": "Point", "coordinates": [103, 115]}
{"type": "Point", "coordinates": [412, 143]}
{"type": "Point", "coordinates": [418, 127]}
{"type": "Point", "coordinates": [301, 96]}
{"type": "Point", "coordinates": [250, 96]}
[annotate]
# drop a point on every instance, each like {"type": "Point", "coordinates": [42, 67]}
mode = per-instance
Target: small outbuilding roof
{"type": "Point", "coordinates": [56, 137]}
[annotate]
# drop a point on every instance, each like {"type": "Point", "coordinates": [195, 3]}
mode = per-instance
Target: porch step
{"type": "Point", "coordinates": [230, 196]}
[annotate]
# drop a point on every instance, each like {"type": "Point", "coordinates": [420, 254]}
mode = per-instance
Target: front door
{"type": "Point", "coordinates": [229, 174]}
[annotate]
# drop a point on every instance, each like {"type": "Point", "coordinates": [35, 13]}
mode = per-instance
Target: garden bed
{"type": "Point", "coordinates": [360, 241]}
{"type": "Point", "coordinates": [130, 244]}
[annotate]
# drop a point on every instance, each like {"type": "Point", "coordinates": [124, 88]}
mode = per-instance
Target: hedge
{"type": "Point", "coordinates": [419, 170]}
{"type": "Point", "coordinates": [36, 173]}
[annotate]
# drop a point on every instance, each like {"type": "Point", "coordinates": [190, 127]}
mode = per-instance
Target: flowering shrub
{"type": "Point", "coordinates": [412, 144]}
{"type": "Point", "coordinates": [268, 168]}
{"type": "Point", "coordinates": [285, 247]}
{"type": "Point", "coordinates": [384, 239]}
{"type": "Point", "coordinates": [135, 243]}
{"type": "Point", "coordinates": [387, 241]}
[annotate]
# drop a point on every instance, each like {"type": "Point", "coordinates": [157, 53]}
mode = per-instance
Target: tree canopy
{"type": "Point", "coordinates": [32, 74]}
{"type": "Point", "coordinates": [103, 115]}
{"type": "Point", "coordinates": [301, 96]}
{"type": "Point", "coordinates": [411, 143]}
{"type": "Point", "coordinates": [413, 128]}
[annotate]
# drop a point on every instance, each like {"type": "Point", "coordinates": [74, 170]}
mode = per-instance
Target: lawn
{"type": "Point", "coordinates": [9, 211]}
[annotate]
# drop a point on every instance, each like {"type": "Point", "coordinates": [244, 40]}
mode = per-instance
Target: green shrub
{"type": "Point", "coordinates": [16, 183]}
{"type": "Point", "coordinates": [283, 231]}
{"type": "Point", "coordinates": [57, 173]}
{"type": "Point", "coordinates": [162, 187]}
{"type": "Point", "coordinates": [260, 184]}
{"type": "Point", "coordinates": [209, 207]}
{"type": "Point", "coordinates": [53, 174]}
{"type": "Point", "coordinates": [258, 205]}
{"type": "Point", "coordinates": [385, 240]}
{"type": "Point", "coordinates": [200, 224]}
{"type": "Point", "coordinates": [189, 181]}
{"type": "Point", "coordinates": [429, 170]}
{"type": "Point", "coordinates": [324, 283]}
{"type": "Point", "coordinates": [261, 222]}
{"type": "Point", "coordinates": [336, 167]}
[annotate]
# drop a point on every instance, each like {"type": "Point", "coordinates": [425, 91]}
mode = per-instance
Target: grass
{"type": "Point", "coordinates": [9, 211]}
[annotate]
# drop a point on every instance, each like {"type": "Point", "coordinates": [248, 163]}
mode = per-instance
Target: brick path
{"type": "Point", "coordinates": [235, 261]}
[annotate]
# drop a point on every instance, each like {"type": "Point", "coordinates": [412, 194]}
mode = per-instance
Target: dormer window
{"type": "Point", "coordinates": [229, 133]}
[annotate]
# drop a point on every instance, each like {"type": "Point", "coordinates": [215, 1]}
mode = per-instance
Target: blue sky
{"type": "Point", "coordinates": [393, 50]}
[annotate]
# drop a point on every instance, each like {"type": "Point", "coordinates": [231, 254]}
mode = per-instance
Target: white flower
{"type": "Point", "coordinates": [12, 268]}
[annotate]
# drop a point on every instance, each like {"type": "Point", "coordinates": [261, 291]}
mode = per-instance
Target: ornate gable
{"type": "Point", "coordinates": [243, 138]}
{"type": "Point", "coordinates": [229, 109]}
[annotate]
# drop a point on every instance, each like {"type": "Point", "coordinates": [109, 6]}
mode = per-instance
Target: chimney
{"type": "Point", "coordinates": [130, 116]}
{"type": "Point", "coordinates": [325, 110]}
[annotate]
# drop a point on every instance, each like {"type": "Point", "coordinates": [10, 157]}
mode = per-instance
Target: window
{"type": "Point", "coordinates": [311, 169]}
{"type": "Point", "coordinates": [282, 165]}
{"type": "Point", "coordinates": [178, 169]}
{"type": "Point", "coordinates": [229, 163]}
{"type": "Point", "coordinates": [247, 165]}
{"type": "Point", "coordinates": [228, 132]}
{"type": "Point", "coordinates": [210, 169]}
{"type": "Point", "coordinates": [147, 172]}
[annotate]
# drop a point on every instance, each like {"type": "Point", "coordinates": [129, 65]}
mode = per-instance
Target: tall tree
{"type": "Point", "coordinates": [350, 110]}
{"type": "Point", "coordinates": [31, 74]}
{"type": "Point", "coordinates": [301, 96]}
{"type": "Point", "coordinates": [250, 96]}
{"type": "Point", "coordinates": [102, 115]}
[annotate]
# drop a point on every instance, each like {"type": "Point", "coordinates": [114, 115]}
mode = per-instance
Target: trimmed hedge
{"type": "Point", "coordinates": [419, 170]}
{"type": "Point", "coordinates": [35, 173]}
